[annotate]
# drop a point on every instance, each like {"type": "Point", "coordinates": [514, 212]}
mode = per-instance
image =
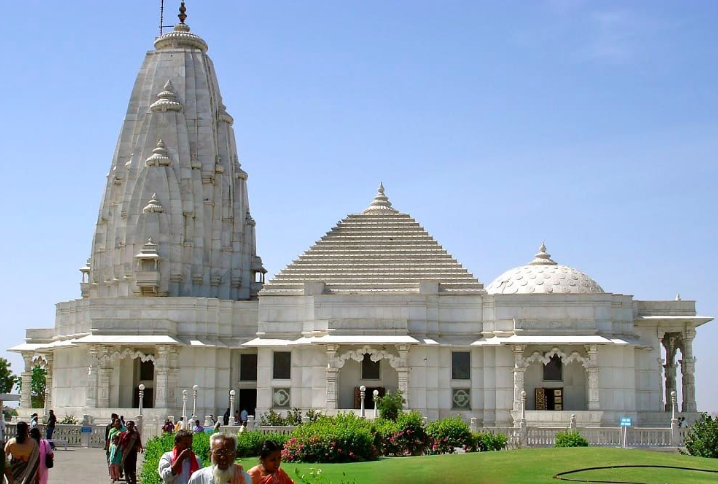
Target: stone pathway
{"type": "Point", "coordinates": [77, 464]}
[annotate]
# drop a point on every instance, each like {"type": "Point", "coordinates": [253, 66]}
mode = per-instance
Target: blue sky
{"type": "Point", "coordinates": [497, 125]}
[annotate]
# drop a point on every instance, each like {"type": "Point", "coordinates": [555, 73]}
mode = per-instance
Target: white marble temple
{"type": "Point", "coordinates": [173, 296]}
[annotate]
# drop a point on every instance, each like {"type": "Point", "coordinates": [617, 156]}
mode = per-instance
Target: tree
{"type": "Point", "coordinates": [702, 437]}
{"type": "Point", "coordinates": [7, 379]}
{"type": "Point", "coordinates": [37, 387]}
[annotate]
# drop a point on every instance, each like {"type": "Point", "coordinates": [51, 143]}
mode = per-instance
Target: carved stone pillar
{"type": "Point", "coordinates": [332, 374]}
{"type": "Point", "coordinates": [402, 371]}
{"type": "Point", "coordinates": [105, 374]}
{"type": "Point", "coordinates": [688, 370]}
{"type": "Point", "coordinates": [669, 343]}
{"type": "Point", "coordinates": [92, 378]}
{"type": "Point", "coordinates": [661, 403]}
{"type": "Point", "coordinates": [519, 372]}
{"type": "Point", "coordinates": [173, 377]}
{"type": "Point", "coordinates": [670, 371]}
{"type": "Point", "coordinates": [26, 391]}
{"type": "Point", "coordinates": [592, 370]}
{"type": "Point", "coordinates": [48, 381]}
{"type": "Point", "coordinates": [161, 375]}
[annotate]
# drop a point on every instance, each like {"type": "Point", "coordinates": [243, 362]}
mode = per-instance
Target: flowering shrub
{"type": "Point", "coordinates": [406, 436]}
{"type": "Point", "coordinates": [249, 443]}
{"type": "Point", "coordinates": [447, 434]}
{"type": "Point", "coordinates": [343, 438]}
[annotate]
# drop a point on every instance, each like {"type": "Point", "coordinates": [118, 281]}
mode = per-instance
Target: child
{"type": "Point", "coordinates": [268, 471]}
{"type": "Point", "coordinates": [115, 458]}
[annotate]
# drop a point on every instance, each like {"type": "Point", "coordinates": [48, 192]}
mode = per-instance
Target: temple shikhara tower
{"type": "Point", "coordinates": [173, 299]}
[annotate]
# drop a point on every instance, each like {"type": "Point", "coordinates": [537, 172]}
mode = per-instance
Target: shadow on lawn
{"type": "Point", "coordinates": [561, 475]}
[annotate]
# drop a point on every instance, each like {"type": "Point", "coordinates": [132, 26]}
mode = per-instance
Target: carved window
{"type": "Point", "coordinates": [281, 397]}
{"type": "Point", "coordinates": [370, 370]}
{"type": "Point", "coordinates": [461, 365]}
{"type": "Point", "coordinates": [282, 365]}
{"type": "Point", "coordinates": [248, 367]}
{"type": "Point", "coordinates": [553, 370]}
{"type": "Point", "coordinates": [461, 399]}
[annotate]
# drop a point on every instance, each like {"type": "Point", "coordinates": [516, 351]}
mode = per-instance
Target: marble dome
{"type": "Point", "coordinates": [543, 276]}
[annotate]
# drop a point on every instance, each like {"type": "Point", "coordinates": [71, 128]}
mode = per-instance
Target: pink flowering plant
{"type": "Point", "coordinates": [448, 434]}
{"type": "Point", "coordinates": [344, 438]}
{"type": "Point", "coordinates": [406, 436]}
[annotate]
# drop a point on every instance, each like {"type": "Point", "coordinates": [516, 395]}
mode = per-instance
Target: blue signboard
{"type": "Point", "coordinates": [625, 421]}
{"type": "Point", "coordinates": [86, 430]}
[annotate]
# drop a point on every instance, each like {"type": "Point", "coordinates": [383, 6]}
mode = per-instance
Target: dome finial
{"type": "Point", "coordinates": [543, 257]}
{"type": "Point", "coordinates": [182, 15]}
{"type": "Point", "coordinates": [381, 204]}
{"type": "Point", "coordinates": [678, 296]}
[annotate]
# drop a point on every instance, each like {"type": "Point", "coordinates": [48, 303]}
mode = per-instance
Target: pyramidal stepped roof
{"type": "Point", "coordinates": [379, 250]}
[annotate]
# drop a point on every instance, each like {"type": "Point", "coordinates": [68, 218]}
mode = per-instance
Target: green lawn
{"type": "Point", "coordinates": [530, 466]}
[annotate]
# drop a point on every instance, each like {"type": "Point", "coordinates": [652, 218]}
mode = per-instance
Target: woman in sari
{"type": "Point", "coordinates": [45, 450]}
{"type": "Point", "coordinates": [131, 444]}
{"type": "Point", "coordinates": [25, 456]}
{"type": "Point", "coordinates": [268, 471]}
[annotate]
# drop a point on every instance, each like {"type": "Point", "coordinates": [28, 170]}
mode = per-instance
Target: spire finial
{"type": "Point", "coordinates": [543, 257]}
{"type": "Point", "coordinates": [678, 296]}
{"type": "Point", "coordinates": [182, 15]}
{"type": "Point", "coordinates": [381, 203]}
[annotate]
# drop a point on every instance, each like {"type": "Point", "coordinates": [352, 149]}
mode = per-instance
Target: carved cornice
{"type": "Point", "coordinates": [565, 359]}
{"type": "Point", "coordinates": [374, 354]}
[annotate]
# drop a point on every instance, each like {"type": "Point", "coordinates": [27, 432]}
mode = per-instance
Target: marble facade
{"type": "Point", "coordinates": [173, 295]}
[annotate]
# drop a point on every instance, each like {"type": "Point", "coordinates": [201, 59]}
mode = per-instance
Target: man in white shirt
{"type": "Point", "coordinates": [223, 470]}
{"type": "Point", "coordinates": [178, 465]}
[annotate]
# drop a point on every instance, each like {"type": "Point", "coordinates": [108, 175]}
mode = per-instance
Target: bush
{"type": "Point", "coordinates": [406, 436]}
{"type": "Point", "coordinates": [249, 443]}
{"type": "Point", "coordinates": [390, 405]}
{"type": "Point", "coordinates": [293, 418]}
{"type": "Point", "coordinates": [570, 438]}
{"type": "Point", "coordinates": [343, 438]}
{"type": "Point", "coordinates": [68, 419]}
{"type": "Point", "coordinates": [154, 448]}
{"type": "Point", "coordinates": [702, 437]}
{"type": "Point", "coordinates": [383, 431]}
{"type": "Point", "coordinates": [273, 419]}
{"type": "Point", "coordinates": [447, 434]}
{"type": "Point", "coordinates": [487, 442]}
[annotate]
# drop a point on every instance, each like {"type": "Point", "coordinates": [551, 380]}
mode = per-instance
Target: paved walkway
{"type": "Point", "coordinates": [77, 464]}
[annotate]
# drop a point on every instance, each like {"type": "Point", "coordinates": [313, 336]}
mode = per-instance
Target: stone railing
{"type": "Point", "coordinates": [513, 435]}
{"type": "Point", "coordinates": [651, 437]}
{"type": "Point", "coordinates": [602, 436]}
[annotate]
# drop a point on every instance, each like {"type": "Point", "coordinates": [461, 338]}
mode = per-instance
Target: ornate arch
{"type": "Point", "coordinates": [127, 353]}
{"type": "Point", "coordinates": [40, 360]}
{"type": "Point", "coordinates": [565, 359]}
{"type": "Point", "coordinates": [374, 355]}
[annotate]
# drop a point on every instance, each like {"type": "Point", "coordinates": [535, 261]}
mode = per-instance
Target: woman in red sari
{"type": "Point", "coordinates": [268, 471]}
{"type": "Point", "coordinates": [130, 443]}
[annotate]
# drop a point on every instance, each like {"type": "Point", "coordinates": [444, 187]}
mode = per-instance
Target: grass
{"type": "Point", "coordinates": [529, 466]}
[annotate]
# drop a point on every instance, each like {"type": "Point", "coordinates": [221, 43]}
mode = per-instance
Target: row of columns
{"type": "Point", "coordinates": [101, 369]}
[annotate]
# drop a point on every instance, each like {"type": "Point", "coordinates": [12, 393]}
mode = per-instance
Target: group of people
{"type": "Point", "coordinates": [27, 457]}
{"type": "Point", "coordinates": [122, 444]}
{"type": "Point", "coordinates": [194, 425]}
{"type": "Point", "coordinates": [181, 465]}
